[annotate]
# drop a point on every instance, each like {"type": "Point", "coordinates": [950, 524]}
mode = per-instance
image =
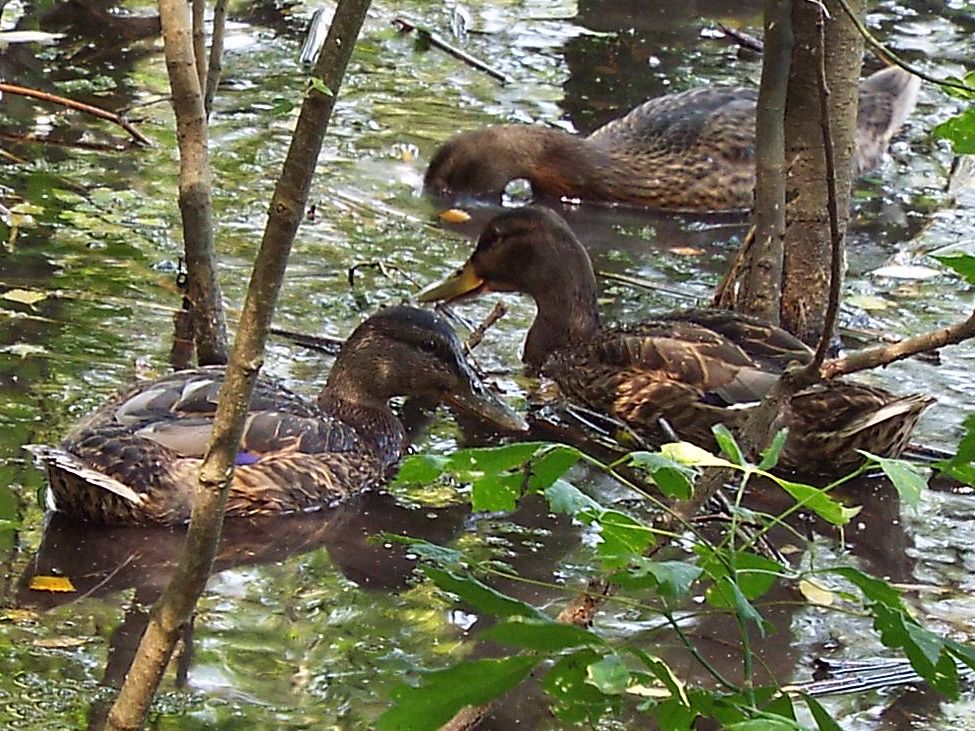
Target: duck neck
{"type": "Point", "coordinates": [567, 315]}
{"type": "Point", "coordinates": [346, 397]}
{"type": "Point", "coordinates": [556, 163]}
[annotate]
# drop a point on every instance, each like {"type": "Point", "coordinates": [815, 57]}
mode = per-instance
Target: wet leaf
{"type": "Point", "coordinates": [18, 616]}
{"type": "Point", "coordinates": [544, 636]}
{"type": "Point", "coordinates": [908, 479]}
{"type": "Point", "coordinates": [869, 302]}
{"type": "Point", "coordinates": [963, 264]}
{"type": "Point", "coordinates": [576, 699]}
{"type": "Point", "coordinates": [729, 446]}
{"type": "Point", "coordinates": [824, 721]}
{"type": "Point", "coordinates": [609, 675]}
{"type": "Point", "coordinates": [771, 454]}
{"type": "Point", "coordinates": [454, 215]}
{"type": "Point", "coordinates": [55, 643]}
{"type": "Point", "coordinates": [818, 501]}
{"type": "Point", "coordinates": [662, 671]}
{"type": "Point", "coordinates": [674, 479]}
{"type": "Point", "coordinates": [673, 579]}
{"type": "Point", "coordinates": [691, 454]}
{"type": "Point", "coordinates": [815, 593]}
{"type": "Point", "coordinates": [421, 469]}
{"type": "Point", "coordinates": [550, 464]}
{"type": "Point", "coordinates": [51, 583]}
{"type": "Point", "coordinates": [960, 131]}
{"type": "Point", "coordinates": [29, 297]}
{"type": "Point", "coordinates": [906, 271]}
{"type": "Point", "coordinates": [623, 538]}
{"type": "Point", "coordinates": [481, 596]}
{"type": "Point", "coordinates": [444, 692]}
{"type": "Point", "coordinates": [564, 497]}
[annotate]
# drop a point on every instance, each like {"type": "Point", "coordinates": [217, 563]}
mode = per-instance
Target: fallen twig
{"type": "Point", "coordinates": [499, 311]}
{"type": "Point", "coordinates": [742, 39]}
{"type": "Point", "coordinates": [78, 106]}
{"type": "Point", "coordinates": [885, 354]}
{"type": "Point", "coordinates": [435, 40]}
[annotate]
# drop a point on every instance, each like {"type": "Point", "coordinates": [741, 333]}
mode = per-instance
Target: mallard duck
{"type": "Point", "coordinates": [694, 368]}
{"type": "Point", "coordinates": [692, 151]}
{"type": "Point", "coordinates": [135, 459]}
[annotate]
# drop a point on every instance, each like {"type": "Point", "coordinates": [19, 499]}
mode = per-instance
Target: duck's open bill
{"type": "Point", "coordinates": [474, 397]}
{"type": "Point", "coordinates": [460, 284]}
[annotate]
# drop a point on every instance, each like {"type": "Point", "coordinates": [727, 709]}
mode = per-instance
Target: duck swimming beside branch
{"type": "Point", "coordinates": [135, 459]}
{"type": "Point", "coordinates": [693, 151]}
{"type": "Point", "coordinates": [694, 368]}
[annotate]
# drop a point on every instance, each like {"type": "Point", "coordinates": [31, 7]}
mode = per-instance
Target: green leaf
{"type": "Point", "coordinates": [481, 596]}
{"type": "Point", "coordinates": [609, 675]}
{"type": "Point", "coordinates": [674, 479]}
{"type": "Point", "coordinates": [444, 692]}
{"type": "Point", "coordinates": [824, 721]}
{"type": "Point", "coordinates": [421, 469]}
{"type": "Point", "coordinates": [771, 454]}
{"type": "Point", "coordinates": [690, 454]}
{"type": "Point", "coordinates": [567, 499]}
{"type": "Point", "coordinates": [662, 672]}
{"type": "Point", "coordinates": [963, 264]}
{"type": "Point", "coordinates": [623, 538]}
{"type": "Point", "coordinates": [472, 464]}
{"type": "Point", "coordinates": [764, 724]}
{"type": "Point", "coordinates": [673, 579]}
{"type": "Point", "coordinates": [320, 86]}
{"type": "Point", "coordinates": [754, 574]}
{"type": "Point", "coordinates": [726, 441]}
{"type": "Point", "coordinates": [440, 555]}
{"type": "Point", "coordinates": [874, 589]}
{"type": "Point", "coordinates": [551, 463]}
{"type": "Point", "coordinates": [543, 636]}
{"type": "Point", "coordinates": [725, 594]}
{"type": "Point", "coordinates": [818, 501]}
{"type": "Point", "coordinates": [281, 106]}
{"type": "Point", "coordinates": [907, 478]}
{"type": "Point", "coordinates": [577, 700]}
{"type": "Point", "coordinates": [960, 131]}
{"type": "Point", "coordinates": [962, 465]}
{"type": "Point", "coordinates": [493, 493]}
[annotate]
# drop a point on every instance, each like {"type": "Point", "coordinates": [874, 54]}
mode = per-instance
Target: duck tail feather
{"type": "Point", "coordinates": [54, 458]}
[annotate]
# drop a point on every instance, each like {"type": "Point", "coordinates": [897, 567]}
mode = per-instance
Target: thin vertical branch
{"type": "Point", "coordinates": [195, 204]}
{"type": "Point", "coordinates": [760, 292]}
{"type": "Point", "coordinates": [216, 54]}
{"type": "Point", "coordinates": [199, 40]}
{"type": "Point", "coordinates": [174, 609]}
{"type": "Point", "coordinates": [835, 234]}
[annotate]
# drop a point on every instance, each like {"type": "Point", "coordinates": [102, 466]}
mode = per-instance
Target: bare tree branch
{"type": "Point", "coordinates": [884, 354]}
{"type": "Point", "coordinates": [174, 609]}
{"type": "Point", "coordinates": [216, 54]}
{"type": "Point", "coordinates": [199, 40]}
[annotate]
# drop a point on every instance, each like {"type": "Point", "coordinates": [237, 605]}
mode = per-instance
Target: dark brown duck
{"type": "Point", "coordinates": [695, 368]}
{"type": "Point", "coordinates": [135, 459]}
{"type": "Point", "coordinates": [692, 151]}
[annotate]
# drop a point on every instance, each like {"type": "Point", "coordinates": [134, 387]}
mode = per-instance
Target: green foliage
{"type": "Point", "coordinates": [589, 676]}
{"type": "Point", "coordinates": [962, 465]}
{"type": "Point", "coordinates": [960, 262]}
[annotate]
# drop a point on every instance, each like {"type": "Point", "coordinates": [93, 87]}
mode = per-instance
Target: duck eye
{"type": "Point", "coordinates": [428, 346]}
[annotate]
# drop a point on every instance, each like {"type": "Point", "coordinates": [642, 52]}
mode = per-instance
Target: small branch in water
{"type": "Point", "coordinates": [885, 354]}
{"type": "Point", "coordinates": [383, 268]}
{"type": "Point", "coordinates": [743, 39]}
{"type": "Point", "coordinates": [76, 144]}
{"type": "Point", "coordinates": [433, 39]}
{"type": "Point", "coordinates": [645, 284]}
{"type": "Point", "coordinates": [79, 107]}
{"type": "Point", "coordinates": [322, 343]}
{"type": "Point", "coordinates": [499, 311]}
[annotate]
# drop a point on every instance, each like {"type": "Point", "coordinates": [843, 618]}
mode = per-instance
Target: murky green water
{"type": "Point", "coordinates": [308, 625]}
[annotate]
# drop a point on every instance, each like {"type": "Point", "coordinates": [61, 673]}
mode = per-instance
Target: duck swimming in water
{"type": "Point", "coordinates": [691, 151]}
{"type": "Point", "coordinates": [694, 368]}
{"type": "Point", "coordinates": [135, 459]}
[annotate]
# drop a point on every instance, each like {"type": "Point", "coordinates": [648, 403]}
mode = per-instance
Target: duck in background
{"type": "Point", "coordinates": [693, 368]}
{"type": "Point", "coordinates": [135, 459]}
{"type": "Point", "coordinates": [692, 151]}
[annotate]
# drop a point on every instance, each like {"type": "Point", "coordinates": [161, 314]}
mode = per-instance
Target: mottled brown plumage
{"type": "Point", "coordinates": [135, 459]}
{"type": "Point", "coordinates": [691, 151]}
{"type": "Point", "coordinates": [694, 368]}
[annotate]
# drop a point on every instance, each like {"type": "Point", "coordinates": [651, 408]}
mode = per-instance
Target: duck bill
{"type": "Point", "coordinates": [474, 398]}
{"type": "Point", "coordinates": [463, 283]}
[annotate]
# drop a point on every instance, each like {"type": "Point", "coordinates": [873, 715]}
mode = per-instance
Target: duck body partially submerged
{"type": "Point", "coordinates": [135, 459]}
{"type": "Point", "coordinates": [693, 368]}
{"type": "Point", "coordinates": [691, 151]}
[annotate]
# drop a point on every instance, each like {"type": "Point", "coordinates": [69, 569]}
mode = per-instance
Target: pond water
{"type": "Point", "coordinates": [308, 625]}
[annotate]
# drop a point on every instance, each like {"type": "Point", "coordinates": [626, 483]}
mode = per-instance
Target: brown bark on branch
{"type": "Point", "coordinates": [216, 54]}
{"type": "Point", "coordinates": [174, 609]}
{"type": "Point", "coordinates": [761, 285]}
{"type": "Point", "coordinates": [200, 40]}
{"type": "Point", "coordinates": [884, 354]}
{"type": "Point", "coordinates": [203, 288]}
{"type": "Point", "coordinates": [808, 247]}
{"type": "Point", "coordinates": [77, 106]}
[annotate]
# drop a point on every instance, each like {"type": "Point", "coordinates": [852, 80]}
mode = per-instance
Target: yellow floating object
{"type": "Point", "coordinates": [454, 215]}
{"type": "Point", "coordinates": [51, 583]}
